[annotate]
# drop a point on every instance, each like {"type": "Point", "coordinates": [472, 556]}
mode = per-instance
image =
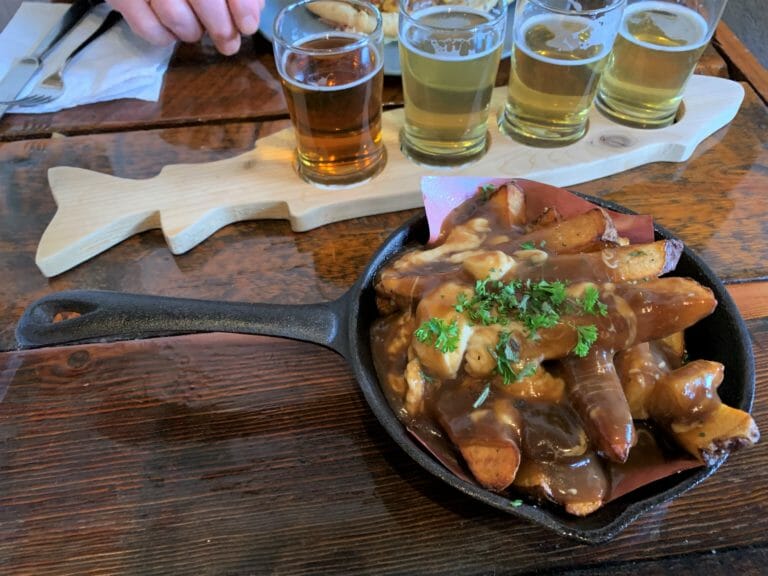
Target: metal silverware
{"type": "Point", "coordinates": [52, 86]}
{"type": "Point", "coordinates": [24, 69]}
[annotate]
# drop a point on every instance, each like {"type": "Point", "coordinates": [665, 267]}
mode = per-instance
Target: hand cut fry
{"type": "Point", "coordinates": [504, 208]}
{"type": "Point", "coordinates": [635, 313]}
{"type": "Point", "coordinates": [582, 233]}
{"type": "Point", "coordinates": [620, 264]}
{"type": "Point", "coordinates": [639, 369]}
{"type": "Point", "coordinates": [688, 394]}
{"type": "Point", "coordinates": [555, 480]}
{"type": "Point", "coordinates": [596, 394]}
{"type": "Point", "coordinates": [727, 429]}
{"type": "Point", "coordinates": [488, 436]}
{"type": "Point", "coordinates": [686, 403]}
{"type": "Point", "coordinates": [494, 467]}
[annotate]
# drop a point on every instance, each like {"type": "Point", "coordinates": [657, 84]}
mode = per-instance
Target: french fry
{"type": "Point", "coordinates": [488, 437]}
{"type": "Point", "coordinates": [638, 370]}
{"type": "Point", "coordinates": [494, 467]}
{"type": "Point", "coordinates": [508, 204]}
{"type": "Point", "coordinates": [554, 481]}
{"type": "Point", "coordinates": [620, 264]}
{"type": "Point", "coordinates": [677, 303]}
{"type": "Point", "coordinates": [672, 348]}
{"type": "Point", "coordinates": [725, 430]}
{"type": "Point", "coordinates": [580, 233]}
{"type": "Point", "coordinates": [686, 403]}
{"type": "Point", "coordinates": [688, 394]}
{"type": "Point", "coordinates": [596, 394]}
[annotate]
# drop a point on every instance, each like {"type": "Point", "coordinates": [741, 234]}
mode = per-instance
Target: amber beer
{"type": "Point", "coordinates": [449, 56]}
{"type": "Point", "coordinates": [332, 78]}
{"type": "Point", "coordinates": [335, 106]}
{"type": "Point", "coordinates": [655, 53]}
{"type": "Point", "coordinates": [559, 54]}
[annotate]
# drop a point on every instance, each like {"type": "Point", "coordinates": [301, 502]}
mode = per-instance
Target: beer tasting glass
{"type": "Point", "coordinates": [332, 77]}
{"type": "Point", "coordinates": [449, 56]}
{"type": "Point", "coordinates": [560, 50]}
{"type": "Point", "coordinates": [658, 46]}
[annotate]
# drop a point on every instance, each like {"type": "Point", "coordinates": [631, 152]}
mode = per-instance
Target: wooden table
{"type": "Point", "coordinates": [228, 455]}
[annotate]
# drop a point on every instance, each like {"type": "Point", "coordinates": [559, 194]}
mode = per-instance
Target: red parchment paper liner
{"type": "Point", "coordinates": [441, 194]}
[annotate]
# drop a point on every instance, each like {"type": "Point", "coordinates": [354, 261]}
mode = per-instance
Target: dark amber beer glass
{"type": "Point", "coordinates": [332, 77]}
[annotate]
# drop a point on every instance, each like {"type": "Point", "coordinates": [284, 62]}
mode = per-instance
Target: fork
{"type": "Point", "coordinates": [52, 86]}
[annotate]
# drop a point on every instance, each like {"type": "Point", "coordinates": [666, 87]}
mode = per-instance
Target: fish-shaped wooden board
{"type": "Point", "coordinates": [190, 202]}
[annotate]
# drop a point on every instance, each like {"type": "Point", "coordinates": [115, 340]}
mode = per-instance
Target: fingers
{"type": "Point", "coordinates": [245, 14]}
{"type": "Point", "coordinates": [143, 21]}
{"type": "Point", "coordinates": [178, 17]}
{"type": "Point", "coordinates": [215, 17]}
{"type": "Point", "coordinates": [163, 21]}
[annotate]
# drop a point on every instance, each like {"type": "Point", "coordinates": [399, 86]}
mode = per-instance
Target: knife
{"type": "Point", "coordinates": [24, 69]}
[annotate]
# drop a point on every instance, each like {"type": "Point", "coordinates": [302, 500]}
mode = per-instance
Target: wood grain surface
{"type": "Point", "coordinates": [742, 60]}
{"type": "Point", "coordinates": [751, 298]}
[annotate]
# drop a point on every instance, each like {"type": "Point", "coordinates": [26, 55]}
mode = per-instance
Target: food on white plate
{"type": "Point", "coordinates": [549, 351]}
{"type": "Point", "coordinates": [354, 20]}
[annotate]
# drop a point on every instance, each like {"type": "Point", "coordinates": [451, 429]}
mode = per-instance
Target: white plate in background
{"type": "Point", "coordinates": [391, 52]}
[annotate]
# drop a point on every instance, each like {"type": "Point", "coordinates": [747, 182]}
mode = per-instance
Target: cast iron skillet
{"type": "Point", "coordinates": [343, 325]}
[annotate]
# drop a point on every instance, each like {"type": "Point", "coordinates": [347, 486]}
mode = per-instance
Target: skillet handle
{"type": "Point", "coordinates": [80, 316]}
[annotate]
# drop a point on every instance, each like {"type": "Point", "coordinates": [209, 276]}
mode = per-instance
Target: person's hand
{"type": "Point", "coordinates": [164, 21]}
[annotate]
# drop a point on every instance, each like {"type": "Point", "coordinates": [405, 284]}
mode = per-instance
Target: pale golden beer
{"type": "Point", "coordinates": [332, 81]}
{"type": "Point", "coordinates": [655, 53]}
{"type": "Point", "coordinates": [557, 60]}
{"type": "Point", "coordinates": [449, 56]}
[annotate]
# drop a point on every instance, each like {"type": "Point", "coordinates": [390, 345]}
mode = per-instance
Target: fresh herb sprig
{"type": "Point", "coordinates": [586, 335]}
{"type": "Point", "coordinates": [591, 301]}
{"type": "Point", "coordinates": [444, 336]}
{"type": "Point", "coordinates": [508, 360]}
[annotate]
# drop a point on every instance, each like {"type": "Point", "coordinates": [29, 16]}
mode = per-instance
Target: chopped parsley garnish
{"type": "Point", "coordinates": [591, 301]}
{"type": "Point", "coordinates": [586, 336]}
{"type": "Point", "coordinates": [486, 191]}
{"type": "Point", "coordinates": [445, 337]}
{"type": "Point", "coordinates": [528, 245]}
{"type": "Point", "coordinates": [516, 503]}
{"type": "Point", "coordinates": [482, 397]}
{"type": "Point", "coordinates": [508, 360]}
{"type": "Point", "coordinates": [506, 354]}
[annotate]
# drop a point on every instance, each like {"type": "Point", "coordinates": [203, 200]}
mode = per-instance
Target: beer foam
{"type": "Point", "coordinates": [565, 40]}
{"type": "Point", "coordinates": [451, 50]}
{"type": "Point", "coordinates": [669, 28]}
{"type": "Point", "coordinates": [320, 85]}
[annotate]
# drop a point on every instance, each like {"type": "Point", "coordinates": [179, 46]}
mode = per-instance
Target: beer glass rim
{"type": "Point", "coordinates": [610, 5]}
{"type": "Point", "coordinates": [375, 35]}
{"type": "Point", "coordinates": [501, 16]}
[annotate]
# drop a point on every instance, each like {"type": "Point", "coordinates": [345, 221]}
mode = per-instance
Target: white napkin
{"type": "Point", "coordinates": [118, 64]}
